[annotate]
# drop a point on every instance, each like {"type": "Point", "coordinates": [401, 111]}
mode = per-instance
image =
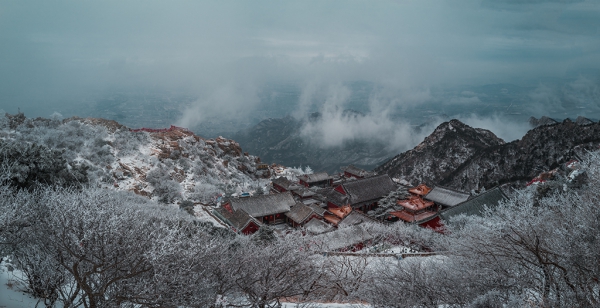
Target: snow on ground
{"type": "Point", "coordinates": [202, 214]}
{"type": "Point", "coordinates": [325, 305]}
{"type": "Point", "coordinates": [399, 249]}
{"type": "Point", "coordinates": [10, 294]}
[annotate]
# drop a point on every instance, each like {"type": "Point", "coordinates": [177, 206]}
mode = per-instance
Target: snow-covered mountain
{"type": "Point", "coordinates": [451, 145]}
{"type": "Point", "coordinates": [466, 158]}
{"type": "Point", "coordinates": [169, 165]}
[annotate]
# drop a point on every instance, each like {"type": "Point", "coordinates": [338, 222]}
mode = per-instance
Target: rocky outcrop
{"type": "Point", "coordinates": [543, 121]}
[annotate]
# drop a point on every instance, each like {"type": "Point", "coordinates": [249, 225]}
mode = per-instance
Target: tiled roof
{"type": "Point", "coordinates": [317, 226]}
{"type": "Point", "coordinates": [238, 219]}
{"type": "Point", "coordinates": [355, 218]}
{"type": "Point", "coordinates": [264, 205]}
{"type": "Point", "coordinates": [342, 211]}
{"type": "Point", "coordinates": [285, 183]}
{"type": "Point", "coordinates": [299, 213]}
{"type": "Point", "coordinates": [415, 203]}
{"type": "Point", "coordinates": [317, 209]}
{"type": "Point", "coordinates": [335, 197]}
{"type": "Point", "coordinates": [367, 189]}
{"type": "Point", "coordinates": [304, 192]}
{"type": "Point", "coordinates": [420, 190]}
{"type": "Point", "coordinates": [476, 205]}
{"type": "Point", "coordinates": [310, 201]}
{"type": "Point", "coordinates": [446, 196]}
{"type": "Point", "coordinates": [342, 238]}
{"type": "Point", "coordinates": [315, 177]}
{"type": "Point", "coordinates": [411, 217]}
{"type": "Point", "coordinates": [357, 171]}
{"type": "Point", "coordinates": [331, 218]}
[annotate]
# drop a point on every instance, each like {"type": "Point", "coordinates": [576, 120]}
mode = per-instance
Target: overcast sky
{"type": "Point", "coordinates": [223, 51]}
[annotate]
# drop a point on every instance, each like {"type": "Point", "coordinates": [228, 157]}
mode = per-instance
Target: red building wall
{"type": "Point", "coordinates": [250, 229]}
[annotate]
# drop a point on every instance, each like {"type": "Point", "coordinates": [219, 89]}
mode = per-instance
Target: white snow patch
{"type": "Point", "coordinates": [11, 294]}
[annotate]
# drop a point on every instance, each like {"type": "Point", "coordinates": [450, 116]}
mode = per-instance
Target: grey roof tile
{"type": "Point", "coordinates": [317, 209]}
{"type": "Point", "coordinates": [264, 205]}
{"type": "Point", "coordinates": [315, 177]}
{"type": "Point", "coordinates": [317, 226]}
{"type": "Point", "coordinates": [367, 189]}
{"type": "Point", "coordinates": [299, 213]}
{"type": "Point", "coordinates": [355, 218]}
{"type": "Point", "coordinates": [342, 238]}
{"type": "Point", "coordinates": [476, 205]}
{"type": "Point", "coordinates": [446, 196]}
{"type": "Point", "coordinates": [238, 219]}
{"type": "Point", "coordinates": [285, 183]}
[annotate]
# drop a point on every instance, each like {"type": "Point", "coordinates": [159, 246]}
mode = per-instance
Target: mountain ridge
{"type": "Point", "coordinates": [486, 162]}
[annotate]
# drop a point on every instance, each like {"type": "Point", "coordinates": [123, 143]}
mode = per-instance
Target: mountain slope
{"type": "Point", "coordinates": [481, 161]}
{"type": "Point", "coordinates": [281, 141]}
{"type": "Point", "coordinates": [450, 145]}
{"type": "Point", "coordinates": [170, 165]}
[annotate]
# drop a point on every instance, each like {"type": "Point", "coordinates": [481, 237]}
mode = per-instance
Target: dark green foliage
{"type": "Point", "coordinates": [187, 206]}
{"type": "Point", "coordinates": [388, 203]}
{"type": "Point", "coordinates": [166, 189]}
{"type": "Point", "coordinates": [264, 235]}
{"type": "Point", "coordinates": [30, 165]}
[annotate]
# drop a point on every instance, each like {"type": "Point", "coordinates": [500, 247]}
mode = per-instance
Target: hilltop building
{"type": "Point", "coordinates": [446, 197]}
{"type": "Point", "coordinates": [239, 221]}
{"type": "Point", "coordinates": [361, 194]}
{"type": "Point", "coordinates": [267, 209]}
{"type": "Point", "coordinates": [321, 179]}
{"type": "Point", "coordinates": [353, 172]}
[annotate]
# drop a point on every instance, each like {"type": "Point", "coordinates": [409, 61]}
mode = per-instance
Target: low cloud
{"type": "Point", "coordinates": [223, 104]}
{"type": "Point", "coordinates": [338, 125]}
{"type": "Point", "coordinates": [225, 53]}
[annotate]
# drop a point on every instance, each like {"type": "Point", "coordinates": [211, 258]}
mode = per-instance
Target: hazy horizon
{"type": "Point", "coordinates": [218, 66]}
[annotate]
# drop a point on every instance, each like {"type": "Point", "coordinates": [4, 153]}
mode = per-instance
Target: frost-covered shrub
{"type": "Point", "coordinates": [187, 206]}
{"type": "Point", "coordinates": [127, 143]}
{"type": "Point", "coordinates": [166, 189]}
{"type": "Point", "coordinates": [388, 203]}
{"type": "Point", "coordinates": [175, 155]}
{"type": "Point", "coordinates": [185, 163]}
{"type": "Point", "coordinates": [101, 156]}
{"type": "Point", "coordinates": [31, 165]}
{"type": "Point", "coordinates": [4, 122]}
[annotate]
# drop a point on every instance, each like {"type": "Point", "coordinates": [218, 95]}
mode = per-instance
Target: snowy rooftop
{"type": "Point", "coordinates": [342, 238]}
{"type": "Point", "coordinates": [476, 205]}
{"type": "Point", "coordinates": [355, 218]}
{"type": "Point", "coordinates": [446, 196]}
{"type": "Point", "coordinates": [264, 205]}
{"type": "Point", "coordinates": [369, 188]}
{"type": "Point", "coordinates": [317, 226]}
{"type": "Point", "coordinates": [299, 213]}
{"type": "Point", "coordinates": [315, 177]}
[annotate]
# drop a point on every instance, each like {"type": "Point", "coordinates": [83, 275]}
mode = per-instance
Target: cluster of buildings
{"type": "Point", "coordinates": [332, 207]}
